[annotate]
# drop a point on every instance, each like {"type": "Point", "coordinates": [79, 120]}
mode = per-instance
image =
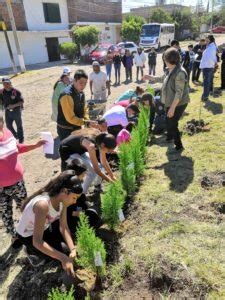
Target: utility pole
{"type": "Point", "coordinates": [212, 17]}
{"type": "Point", "coordinates": [13, 25]}
{"type": "Point", "coordinates": [3, 26]}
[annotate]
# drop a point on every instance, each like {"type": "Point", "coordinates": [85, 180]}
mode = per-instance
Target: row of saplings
{"type": "Point", "coordinates": [91, 249]}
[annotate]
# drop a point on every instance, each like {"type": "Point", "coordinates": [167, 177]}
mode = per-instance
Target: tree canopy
{"type": "Point", "coordinates": [86, 35]}
{"type": "Point", "coordinates": [131, 28]}
{"type": "Point", "coordinates": [159, 15]}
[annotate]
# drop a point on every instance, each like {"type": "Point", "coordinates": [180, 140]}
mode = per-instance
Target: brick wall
{"type": "Point", "coordinates": [18, 12]}
{"type": "Point", "coordinates": [94, 11]}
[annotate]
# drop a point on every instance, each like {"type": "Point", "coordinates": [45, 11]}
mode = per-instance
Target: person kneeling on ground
{"type": "Point", "coordinates": [84, 145]}
{"type": "Point", "coordinates": [12, 186]}
{"type": "Point", "coordinates": [43, 225]}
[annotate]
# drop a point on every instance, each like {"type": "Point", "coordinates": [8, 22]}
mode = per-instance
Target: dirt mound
{"type": "Point", "coordinates": [195, 126]}
{"type": "Point", "coordinates": [213, 180]}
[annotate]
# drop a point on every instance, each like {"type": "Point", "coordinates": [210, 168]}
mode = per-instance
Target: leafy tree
{"type": "Point", "coordinates": [56, 294]}
{"type": "Point", "coordinates": [68, 49]}
{"type": "Point", "coordinates": [88, 246]}
{"type": "Point", "coordinates": [131, 27]}
{"type": "Point", "coordinates": [160, 15]}
{"type": "Point", "coordinates": [86, 35]}
{"type": "Point", "coordinates": [126, 167]}
{"type": "Point", "coordinates": [112, 202]}
{"type": "Point", "coordinates": [185, 20]}
{"type": "Point", "coordinates": [143, 129]}
{"type": "Point", "coordinates": [136, 152]}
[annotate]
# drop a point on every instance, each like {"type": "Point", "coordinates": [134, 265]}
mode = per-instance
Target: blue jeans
{"type": "Point", "coordinates": [108, 71]}
{"type": "Point", "coordinates": [117, 71]}
{"type": "Point", "coordinates": [207, 82]}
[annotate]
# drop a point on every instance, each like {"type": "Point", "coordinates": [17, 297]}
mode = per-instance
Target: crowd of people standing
{"type": "Point", "coordinates": [50, 214]}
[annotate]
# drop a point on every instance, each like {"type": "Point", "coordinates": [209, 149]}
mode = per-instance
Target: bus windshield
{"type": "Point", "coordinates": [150, 30]}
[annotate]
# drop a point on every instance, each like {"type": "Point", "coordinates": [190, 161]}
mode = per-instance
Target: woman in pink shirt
{"type": "Point", "coordinates": [11, 175]}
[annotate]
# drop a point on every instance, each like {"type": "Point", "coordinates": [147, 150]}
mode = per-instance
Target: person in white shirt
{"type": "Point", "coordinates": [99, 83]}
{"type": "Point", "coordinates": [207, 65]}
{"type": "Point", "coordinates": [114, 120]}
{"type": "Point", "coordinates": [43, 225]}
{"type": "Point", "coordinates": [139, 60]}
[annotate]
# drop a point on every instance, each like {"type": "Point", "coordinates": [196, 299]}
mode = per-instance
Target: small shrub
{"type": "Point", "coordinates": [126, 167]}
{"type": "Point", "coordinates": [143, 129]}
{"type": "Point", "coordinates": [56, 294]}
{"type": "Point", "coordinates": [68, 49]}
{"type": "Point", "coordinates": [88, 246]}
{"type": "Point", "coordinates": [136, 152]}
{"type": "Point", "coordinates": [112, 201]}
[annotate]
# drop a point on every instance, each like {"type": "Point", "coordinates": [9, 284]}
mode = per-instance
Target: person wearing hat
{"type": "Point", "coordinates": [12, 101]}
{"type": "Point", "coordinates": [99, 83]}
{"type": "Point", "coordinates": [207, 65]}
{"type": "Point", "coordinates": [67, 71]}
{"type": "Point", "coordinates": [72, 110]}
{"type": "Point", "coordinates": [139, 60]}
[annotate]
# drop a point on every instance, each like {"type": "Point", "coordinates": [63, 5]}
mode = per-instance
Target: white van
{"type": "Point", "coordinates": [156, 35]}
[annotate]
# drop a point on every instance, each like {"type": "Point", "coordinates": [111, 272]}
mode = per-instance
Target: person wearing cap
{"type": "Point", "coordinates": [58, 89]}
{"type": "Point", "coordinates": [12, 101]}
{"type": "Point", "coordinates": [139, 60]}
{"type": "Point", "coordinates": [67, 71]}
{"type": "Point", "coordinates": [99, 83]}
{"type": "Point", "coordinates": [207, 65]}
{"type": "Point", "coordinates": [72, 110]}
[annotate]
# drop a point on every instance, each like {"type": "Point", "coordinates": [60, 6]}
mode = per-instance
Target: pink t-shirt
{"type": "Point", "coordinates": [11, 170]}
{"type": "Point", "coordinates": [123, 137]}
{"type": "Point", "coordinates": [123, 103]}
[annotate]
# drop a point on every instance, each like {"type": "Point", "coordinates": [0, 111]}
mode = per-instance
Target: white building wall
{"type": "Point", "coordinates": [35, 15]}
{"type": "Point", "coordinates": [33, 46]}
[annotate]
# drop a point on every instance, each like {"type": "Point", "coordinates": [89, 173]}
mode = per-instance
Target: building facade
{"type": "Point", "coordinates": [43, 24]}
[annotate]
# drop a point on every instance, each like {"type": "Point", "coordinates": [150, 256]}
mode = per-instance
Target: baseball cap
{"type": "Point", "coordinates": [66, 70]}
{"type": "Point", "coordinates": [6, 79]}
{"type": "Point", "coordinates": [95, 63]}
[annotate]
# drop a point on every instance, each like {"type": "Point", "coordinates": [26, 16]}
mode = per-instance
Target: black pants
{"type": "Point", "coordinates": [142, 72]}
{"type": "Point", "coordinates": [128, 73]}
{"type": "Point", "coordinates": [15, 116]}
{"type": "Point", "coordinates": [196, 71]}
{"type": "Point", "coordinates": [223, 75]}
{"type": "Point", "coordinates": [172, 125]}
{"type": "Point", "coordinates": [52, 236]}
{"type": "Point", "coordinates": [114, 130]}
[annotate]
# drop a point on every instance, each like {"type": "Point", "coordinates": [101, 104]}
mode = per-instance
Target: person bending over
{"type": "Point", "coordinates": [85, 145]}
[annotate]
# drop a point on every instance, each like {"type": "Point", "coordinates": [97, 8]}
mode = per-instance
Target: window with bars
{"type": "Point", "coordinates": [52, 12]}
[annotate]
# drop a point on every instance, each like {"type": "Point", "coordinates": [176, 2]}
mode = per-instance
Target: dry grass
{"type": "Point", "coordinates": [175, 232]}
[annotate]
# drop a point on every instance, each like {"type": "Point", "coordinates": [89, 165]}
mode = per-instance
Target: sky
{"type": "Point", "coordinates": [127, 4]}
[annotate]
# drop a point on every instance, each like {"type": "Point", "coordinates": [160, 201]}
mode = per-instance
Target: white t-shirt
{"type": "Point", "coordinates": [26, 224]}
{"type": "Point", "coordinates": [116, 116]}
{"type": "Point", "coordinates": [99, 81]}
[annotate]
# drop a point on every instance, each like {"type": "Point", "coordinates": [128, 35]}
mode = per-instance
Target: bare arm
{"type": "Point", "coordinates": [92, 154]}
{"type": "Point", "coordinates": [106, 165]}
{"type": "Point", "coordinates": [91, 83]}
{"type": "Point", "coordinates": [64, 229]}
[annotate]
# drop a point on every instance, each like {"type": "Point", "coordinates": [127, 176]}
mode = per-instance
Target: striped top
{"type": "Point", "coordinates": [11, 170]}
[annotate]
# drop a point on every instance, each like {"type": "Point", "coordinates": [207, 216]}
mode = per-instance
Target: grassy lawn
{"type": "Point", "coordinates": [174, 238]}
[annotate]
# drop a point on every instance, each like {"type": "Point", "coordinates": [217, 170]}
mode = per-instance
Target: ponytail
{"type": "Point", "coordinates": [66, 179]}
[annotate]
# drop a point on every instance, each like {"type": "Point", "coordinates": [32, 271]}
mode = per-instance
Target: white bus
{"type": "Point", "coordinates": [156, 35]}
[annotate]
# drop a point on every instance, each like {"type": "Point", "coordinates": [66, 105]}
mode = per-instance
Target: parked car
{"type": "Point", "coordinates": [127, 45]}
{"type": "Point", "coordinates": [219, 29]}
{"type": "Point", "coordinates": [100, 52]}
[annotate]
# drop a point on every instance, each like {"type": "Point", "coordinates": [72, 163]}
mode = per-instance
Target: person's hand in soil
{"type": "Point", "coordinates": [67, 264]}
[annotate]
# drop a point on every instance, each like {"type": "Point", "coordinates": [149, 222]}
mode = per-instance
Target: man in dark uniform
{"type": "Point", "coordinates": [12, 101]}
{"type": "Point", "coordinates": [72, 109]}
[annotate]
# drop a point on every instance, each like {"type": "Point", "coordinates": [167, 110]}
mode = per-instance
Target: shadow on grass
{"type": "Point", "coordinates": [215, 108]}
{"type": "Point", "coordinates": [180, 170]}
